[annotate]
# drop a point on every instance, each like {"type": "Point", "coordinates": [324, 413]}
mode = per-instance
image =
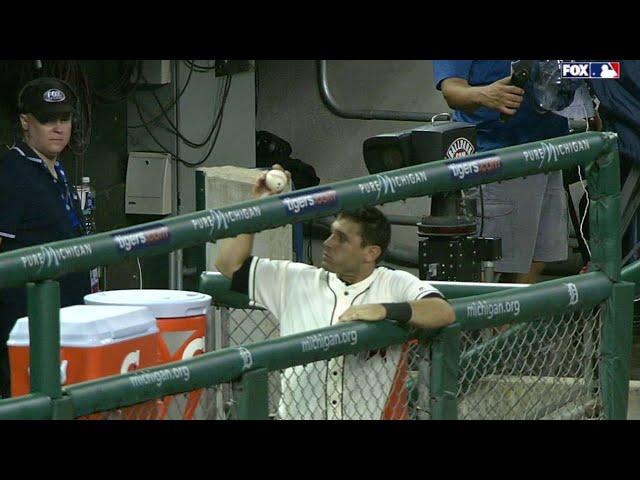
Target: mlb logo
{"type": "Point", "coordinates": [605, 69]}
{"type": "Point", "coordinates": [576, 70]}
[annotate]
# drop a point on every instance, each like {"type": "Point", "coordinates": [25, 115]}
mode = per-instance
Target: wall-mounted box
{"type": "Point", "coordinates": [149, 177]}
{"type": "Point", "coordinates": [155, 72]}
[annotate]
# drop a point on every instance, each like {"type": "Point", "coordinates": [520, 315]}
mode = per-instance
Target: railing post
{"type": "Point", "coordinates": [615, 365]}
{"type": "Point", "coordinates": [43, 307]}
{"type": "Point", "coordinates": [445, 357]}
{"type": "Point", "coordinates": [603, 178]}
{"type": "Point", "coordinates": [252, 396]}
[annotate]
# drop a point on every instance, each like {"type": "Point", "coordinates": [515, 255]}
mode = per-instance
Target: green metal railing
{"type": "Point", "coordinates": [597, 152]}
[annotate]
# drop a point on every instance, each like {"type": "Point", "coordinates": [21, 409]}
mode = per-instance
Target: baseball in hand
{"type": "Point", "coordinates": [276, 180]}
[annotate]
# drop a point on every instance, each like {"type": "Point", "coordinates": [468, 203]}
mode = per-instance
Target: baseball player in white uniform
{"type": "Point", "coordinates": [349, 286]}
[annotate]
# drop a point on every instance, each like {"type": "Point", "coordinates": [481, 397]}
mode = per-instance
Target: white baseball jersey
{"type": "Point", "coordinates": [369, 385]}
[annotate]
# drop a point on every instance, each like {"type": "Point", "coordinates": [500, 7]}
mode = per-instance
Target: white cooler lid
{"type": "Point", "coordinates": [93, 326]}
{"type": "Point", "coordinates": [162, 303]}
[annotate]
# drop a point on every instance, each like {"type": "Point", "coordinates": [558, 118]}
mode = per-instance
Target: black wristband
{"type": "Point", "coordinates": [400, 312]}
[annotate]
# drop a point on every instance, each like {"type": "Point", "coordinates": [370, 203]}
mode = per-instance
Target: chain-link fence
{"type": "Point", "coordinates": [372, 385]}
{"type": "Point", "coordinates": [360, 386]}
{"type": "Point", "coordinates": [544, 369]}
{"type": "Point", "coordinates": [547, 368]}
{"type": "Point", "coordinates": [236, 326]}
{"type": "Point", "coordinates": [388, 384]}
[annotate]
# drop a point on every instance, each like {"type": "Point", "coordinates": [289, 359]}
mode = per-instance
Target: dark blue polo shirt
{"type": "Point", "coordinates": [36, 209]}
{"type": "Point", "coordinates": [527, 125]}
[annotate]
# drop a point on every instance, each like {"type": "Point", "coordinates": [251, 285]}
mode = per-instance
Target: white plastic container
{"type": "Point", "coordinates": [181, 316]}
{"type": "Point", "coordinates": [162, 303]}
{"type": "Point", "coordinates": [182, 320]}
{"type": "Point", "coordinates": [95, 341]}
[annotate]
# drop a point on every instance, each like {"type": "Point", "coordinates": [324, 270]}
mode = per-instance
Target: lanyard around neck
{"type": "Point", "coordinates": [62, 178]}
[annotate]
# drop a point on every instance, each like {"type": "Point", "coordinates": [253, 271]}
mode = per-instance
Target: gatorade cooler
{"type": "Point", "coordinates": [182, 321]}
{"type": "Point", "coordinates": [95, 342]}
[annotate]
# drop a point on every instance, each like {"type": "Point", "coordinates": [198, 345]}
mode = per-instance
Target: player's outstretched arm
{"type": "Point", "coordinates": [234, 251]}
{"type": "Point", "coordinates": [232, 254]}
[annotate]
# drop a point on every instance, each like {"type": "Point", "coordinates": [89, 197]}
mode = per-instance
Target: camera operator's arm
{"type": "Point", "coordinates": [499, 95]}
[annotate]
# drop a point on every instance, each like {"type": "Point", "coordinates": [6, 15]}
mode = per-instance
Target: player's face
{"type": "Point", "coordinates": [343, 252]}
{"type": "Point", "coordinates": [49, 138]}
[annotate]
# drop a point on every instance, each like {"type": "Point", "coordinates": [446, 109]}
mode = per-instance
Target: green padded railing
{"type": "Point", "coordinates": [154, 238]}
{"type": "Point", "coordinates": [597, 152]}
{"type": "Point", "coordinates": [219, 287]}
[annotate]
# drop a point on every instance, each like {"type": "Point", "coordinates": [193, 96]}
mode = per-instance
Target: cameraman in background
{"type": "Point", "coordinates": [528, 214]}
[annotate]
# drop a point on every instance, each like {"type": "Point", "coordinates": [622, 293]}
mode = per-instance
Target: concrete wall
{"type": "Point", "coordinates": [194, 116]}
{"type": "Point", "coordinates": [196, 109]}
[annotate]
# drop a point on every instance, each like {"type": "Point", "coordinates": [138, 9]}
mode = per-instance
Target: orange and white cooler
{"type": "Point", "coordinates": [182, 321]}
{"type": "Point", "coordinates": [95, 342]}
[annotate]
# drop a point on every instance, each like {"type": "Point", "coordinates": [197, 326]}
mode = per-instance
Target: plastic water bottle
{"type": "Point", "coordinates": [88, 206]}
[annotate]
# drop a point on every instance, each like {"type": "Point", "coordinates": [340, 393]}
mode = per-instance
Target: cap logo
{"type": "Point", "coordinates": [53, 95]}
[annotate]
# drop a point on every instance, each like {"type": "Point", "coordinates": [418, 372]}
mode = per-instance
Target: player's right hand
{"type": "Point", "coordinates": [502, 96]}
{"type": "Point", "coordinates": [260, 188]}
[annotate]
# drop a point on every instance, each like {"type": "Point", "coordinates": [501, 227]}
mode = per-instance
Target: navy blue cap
{"type": "Point", "coordinates": [47, 98]}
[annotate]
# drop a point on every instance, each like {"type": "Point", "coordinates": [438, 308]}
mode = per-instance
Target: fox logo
{"type": "Point", "coordinates": [53, 95]}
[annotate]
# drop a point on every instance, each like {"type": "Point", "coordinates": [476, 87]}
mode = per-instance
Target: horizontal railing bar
{"type": "Point", "coordinates": [53, 259]}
